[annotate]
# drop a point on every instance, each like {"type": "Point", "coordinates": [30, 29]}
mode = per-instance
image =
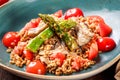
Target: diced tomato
{"type": "Point", "coordinates": [106, 44]}
{"type": "Point", "coordinates": [35, 22]}
{"type": "Point", "coordinates": [73, 12]}
{"type": "Point", "coordinates": [32, 24]}
{"type": "Point", "coordinates": [11, 39]}
{"type": "Point", "coordinates": [76, 63]}
{"type": "Point", "coordinates": [93, 51]}
{"type": "Point", "coordinates": [19, 48]}
{"type": "Point", "coordinates": [105, 30]}
{"type": "Point", "coordinates": [58, 13]}
{"type": "Point", "coordinates": [36, 67]}
{"type": "Point", "coordinates": [59, 56]}
{"type": "Point", "coordinates": [28, 54]}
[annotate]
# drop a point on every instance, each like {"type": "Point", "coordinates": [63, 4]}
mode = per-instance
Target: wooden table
{"type": "Point", "coordinates": [105, 75]}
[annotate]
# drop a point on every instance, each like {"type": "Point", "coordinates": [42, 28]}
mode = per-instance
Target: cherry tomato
{"type": "Point", "coordinates": [32, 24]}
{"type": "Point", "coordinates": [3, 1]}
{"type": "Point", "coordinates": [106, 44]}
{"type": "Point", "coordinates": [58, 13]}
{"type": "Point", "coordinates": [11, 39]}
{"type": "Point", "coordinates": [59, 56]}
{"type": "Point", "coordinates": [28, 54]}
{"type": "Point", "coordinates": [93, 51]}
{"type": "Point", "coordinates": [73, 12]}
{"type": "Point", "coordinates": [36, 67]}
{"type": "Point", "coordinates": [104, 30]}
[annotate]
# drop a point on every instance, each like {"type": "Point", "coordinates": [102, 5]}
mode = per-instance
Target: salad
{"type": "Point", "coordinates": [59, 43]}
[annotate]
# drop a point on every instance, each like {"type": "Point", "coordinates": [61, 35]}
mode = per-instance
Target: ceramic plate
{"type": "Point", "coordinates": [15, 14]}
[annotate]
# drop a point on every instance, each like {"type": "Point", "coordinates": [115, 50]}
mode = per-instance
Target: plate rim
{"type": "Point", "coordinates": [69, 77]}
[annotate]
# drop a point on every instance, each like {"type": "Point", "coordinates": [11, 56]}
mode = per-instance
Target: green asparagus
{"type": "Point", "coordinates": [58, 29]}
{"type": "Point", "coordinates": [37, 41]}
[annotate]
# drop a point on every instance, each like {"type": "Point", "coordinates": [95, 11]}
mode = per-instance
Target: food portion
{"type": "Point", "coordinates": [59, 43]}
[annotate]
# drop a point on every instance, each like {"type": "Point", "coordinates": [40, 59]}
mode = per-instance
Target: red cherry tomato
{"type": "Point", "coordinates": [59, 56]}
{"type": "Point", "coordinates": [3, 1]}
{"type": "Point", "coordinates": [28, 54]}
{"type": "Point", "coordinates": [58, 13]}
{"type": "Point", "coordinates": [106, 44]}
{"type": "Point", "coordinates": [36, 67]}
{"type": "Point", "coordinates": [11, 39]}
{"type": "Point", "coordinates": [104, 30]}
{"type": "Point", "coordinates": [93, 51]}
{"type": "Point", "coordinates": [73, 12]}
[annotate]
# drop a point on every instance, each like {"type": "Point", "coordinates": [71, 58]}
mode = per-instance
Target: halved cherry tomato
{"type": "Point", "coordinates": [73, 12]}
{"type": "Point", "coordinates": [58, 13]}
{"type": "Point", "coordinates": [93, 51]}
{"type": "Point", "coordinates": [104, 30]}
{"type": "Point", "coordinates": [32, 24]}
{"type": "Point", "coordinates": [11, 39]}
{"type": "Point", "coordinates": [59, 56]}
{"type": "Point", "coordinates": [36, 67]}
{"type": "Point", "coordinates": [106, 44]}
{"type": "Point", "coordinates": [3, 1]}
{"type": "Point", "coordinates": [28, 54]}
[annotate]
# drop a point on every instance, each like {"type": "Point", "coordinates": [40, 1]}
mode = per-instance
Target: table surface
{"type": "Point", "coordinates": [105, 75]}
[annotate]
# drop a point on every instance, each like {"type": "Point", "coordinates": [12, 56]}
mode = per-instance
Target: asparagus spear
{"type": "Point", "coordinates": [58, 29]}
{"type": "Point", "coordinates": [37, 41]}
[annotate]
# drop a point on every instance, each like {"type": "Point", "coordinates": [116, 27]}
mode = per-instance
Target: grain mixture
{"type": "Point", "coordinates": [62, 45]}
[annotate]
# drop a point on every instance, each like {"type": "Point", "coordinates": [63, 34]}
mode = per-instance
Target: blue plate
{"type": "Point", "coordinates": [15, 14]}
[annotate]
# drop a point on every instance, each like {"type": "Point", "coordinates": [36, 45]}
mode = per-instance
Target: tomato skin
{"type": "Point", "coordinates": [3, 1]}
{"type": "Point", "coordinates": [104, 30]}
{"type": "Point", "coordinates": [11, 39]}
{"type": "Point", "coordinates": [58, 14]}
{"type": "Point", "coordinates": [28, 54]}
{"type": "Point", "coordinates": [59, 56]}
{"type": "Point", "coordinates": [106, 44]}
{"type": "Point", "coordinates": [73, 12]}
{"type": "Point", "coordinates": [36, 67]}
{"type": "Point", "coordinates": [93, 51]}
